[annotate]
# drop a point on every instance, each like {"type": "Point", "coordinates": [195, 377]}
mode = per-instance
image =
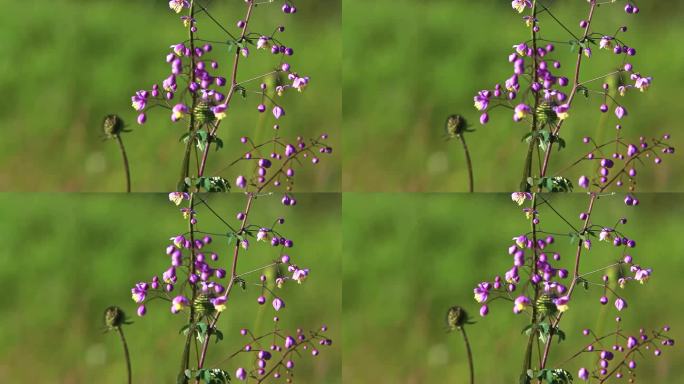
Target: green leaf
{"type": "Point", "coordinates": [219, 335]}
{"type": "Point", "coordinates": [219, 142]}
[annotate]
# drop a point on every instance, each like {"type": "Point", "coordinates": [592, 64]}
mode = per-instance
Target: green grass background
{"type": "Point", "coordinates": [409, 64]}
{"type": "Point", "coordinates": [409, 257]}
{"type": "Point", "coordinates": [66, 257]}
{"type": "Point", "coordinates": [68, 63]}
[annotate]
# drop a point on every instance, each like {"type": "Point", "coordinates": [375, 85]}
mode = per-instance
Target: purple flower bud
{"type": "Point", "coordinates": [278, 304]}
{"type": "Point", "coordinates": [620, 112]}
{"type": "Point", "coordinates": [583, 374]}
{"type": "Point", "coordinates": [584, 182]}
{"type": "Point", "coordinates": [620, 304]}
{"type": "Point", "coordinates": [241, 374]}
{"type": "Point", "coordinates": [241, 182]}
{"type": "Point", "coordinates": [278, 112]}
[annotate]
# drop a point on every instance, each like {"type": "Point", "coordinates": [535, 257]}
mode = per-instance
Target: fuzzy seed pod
{"type": "Point", "coordinates": [112, 125]}
{"type": "Point", "coordinates": [203, 306]}
{"type": "Point", "coordinates": [456, 317]}
{"type": "Point", "coordinates": [545, 306]}
{"type": "Point", "coordinates": [203, 113]}
{"type": "Point", "coordinates": [114, 317]}
{"type": "Point", "coordinates": [455, 125]}
{"type": "Point", "coordinates": [545, 114]}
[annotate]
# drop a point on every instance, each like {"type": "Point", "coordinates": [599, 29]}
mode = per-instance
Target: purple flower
{"type": "Point", "coordinates": [520, 5]}
{"type": "Point", "coordinates": [220, 111]}
{"type": "Point", "coordinates": [562, 303]}
{"type": "Point", "coordinates": [178, 5]}
{"type": "Point", "coordinates": [481, 101]}
{"type": "Point", "coordinates": [219, 303]}
{"type": "Point", "coordinates": [262, 42]}
{"type": "Point", "coordinates": [481, 292]}
{"type": "Point", "coordinates": [178, 303]}
{"type": "Point", "coordinates": [299, 83]}
{"type": "Point", "coordinates": [562, 111]}
{"type": "Point", "coordinates": [138, 292]}
{"type": "Point", "coordinates": [178, 197]}
{"type": "Point", "coordinates": [520, 303]}
{"type": "Point", "coordinates": [139, 100]}
{"type": "Point", "coordinates": [520, 197]}
{"type": "Point", "coordinates": [606, 42]}
{"type": "Point", "coordinates": [520, 112]}
{"type": "Point", "coordinates": [178, 111]}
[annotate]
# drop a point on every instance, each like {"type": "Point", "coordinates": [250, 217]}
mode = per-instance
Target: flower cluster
{"type": "Point", "coordinates": [286, 349]}
{"type": "Point", "coordinates": [540, 95]}
{"type": "Point", "coordinates": [195, 282]}
{"type": "Point", "coordinates": [287, 154]}
{"type": "Point", "coordinates": [539, 285]}
{"type": "Point", "coordinates": [198, 94]}
{"type": "Point", "coordinates": [629, 155]}
{"type": "Point", "coordinates": [619, 360]}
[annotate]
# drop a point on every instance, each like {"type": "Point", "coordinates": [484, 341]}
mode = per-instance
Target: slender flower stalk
{"type": "Point", "coordinates": [115, 319]}
{"type": "Point", "coordinates": [127, 356]}
{"type": "Point", "coordinates": [127, 168]}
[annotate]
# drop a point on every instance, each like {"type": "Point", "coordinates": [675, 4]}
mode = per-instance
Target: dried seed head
{"type": "Point", "coordinates": [456, 317]}
{"type": "Point", "coordinates": [112, 125]}
{"type": "Point", "coordinates": [545, 114]}
{"type": "Point", "coordinates": [455, 125]}
{"type": "Point", "coordinates": [203, 113]}
{"type": "Point", "coordinates": [114, 317]}
{"type": "Point", "coordinates": [203, 306]}
{"type": "Point", "coordinates": [545, 306]}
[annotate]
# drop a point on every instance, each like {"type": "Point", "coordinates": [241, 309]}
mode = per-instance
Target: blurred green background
{"type": "Point", "coordinates": [68, 63]}
{"type": "Point", "coordinates": [67, 257]}
{"type": "Point", "coordinates": [409, 64]}
{"type": "Point", "coordinates": [409, 257]}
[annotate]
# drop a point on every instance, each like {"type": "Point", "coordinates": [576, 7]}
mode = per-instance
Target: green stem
{"type": "Point", "coordinates": [470, 355]}
{"type": "Point", "coordinates": [128, 357]}
{"type": "Point", "coordinates": [185, 360]}
{"type": "Point", "coordinates": [185, 167]}
{"type": "Point", "coordinates": [527, 363]}
{"type": "Point", "coordinates": [527, 170]}
{"type": "Point", "coordinates": [469, 163]}
{"type": "Point", "coordinates": [125, 161]}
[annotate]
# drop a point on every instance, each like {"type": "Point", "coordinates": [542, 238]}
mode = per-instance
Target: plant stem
{"type": "Point", "coordinates": [576, 84]}
{"type": "Point", "coordinates": [469, 163]}
{"type": "Point", "coordinates": [527, 363]}
{"type": "Point", "coordinates": [125, 161]}
{"type": "Point", "coordinates": [527, 170]}
{"type": "Point", "coordinates": [470, 354]}
{"type": "Point", "coordinates": [233, 85]}
{"type": "Point", "coordinates": [185, 360]}
{"type": "Point", "coordinates": [185, 168]}
{"type": "Point", "coordinates": [128, 357]}
{"type": "Point", "coordinates": [233, 275]}
{"type": "Point", "coordinates": [575, 278]}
